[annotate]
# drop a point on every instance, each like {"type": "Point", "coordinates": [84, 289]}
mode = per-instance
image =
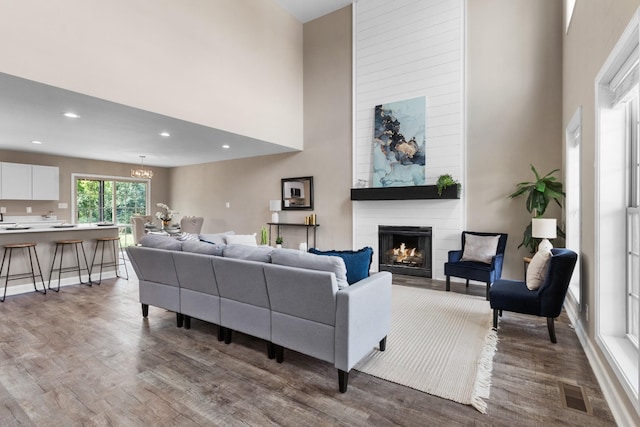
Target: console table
{"type": "Point", "coordinates": [288, 224]}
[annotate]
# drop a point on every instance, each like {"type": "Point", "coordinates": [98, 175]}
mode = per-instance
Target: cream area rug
{"type": "Point", "coordinates": [441, 343]}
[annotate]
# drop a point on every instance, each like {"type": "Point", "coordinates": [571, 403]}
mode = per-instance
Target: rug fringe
{"type": "Point", "coordinates": [482, 387]}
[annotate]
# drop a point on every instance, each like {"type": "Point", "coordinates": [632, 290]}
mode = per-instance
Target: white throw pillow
{"type": "Point", "coordinates": [537, 270]}
{"type": "Point", "coordinates": [241, 239]}
{"type": "Point", "coordinates": [480, 248]}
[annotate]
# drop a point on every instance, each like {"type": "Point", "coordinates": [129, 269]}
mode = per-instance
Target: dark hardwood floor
{"type": "Point", "coordinates": [86, 357]}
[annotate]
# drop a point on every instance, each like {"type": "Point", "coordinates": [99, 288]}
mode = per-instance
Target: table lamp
{"type": "Point", "coordinates": [275, 206]}
{"type": "Point", "coordinates": [545, 229]}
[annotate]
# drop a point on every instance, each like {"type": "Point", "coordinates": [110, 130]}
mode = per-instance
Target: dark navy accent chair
{"type": "Point", "coordinates": [547, 301]}
{"type": "Point", "coordinates": [472, 270]}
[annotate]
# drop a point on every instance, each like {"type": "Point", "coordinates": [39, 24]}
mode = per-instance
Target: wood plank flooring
{"type": "Point", "coordinates": [86, 357]}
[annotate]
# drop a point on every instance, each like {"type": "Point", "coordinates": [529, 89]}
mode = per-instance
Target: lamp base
{"type": "Point", "coordinates": [545, 245]}
{"type": "Point", "coordinates": [275, 217]}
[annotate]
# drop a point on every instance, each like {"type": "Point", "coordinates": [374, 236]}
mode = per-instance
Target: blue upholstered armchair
{"type": "Point", "coordinates": [546, 301]}
{"type": "Point", "coordinates": [487, 271]}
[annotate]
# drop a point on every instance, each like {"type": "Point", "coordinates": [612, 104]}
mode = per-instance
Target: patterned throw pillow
{"type": "Point", "coordinates": [187, 236]}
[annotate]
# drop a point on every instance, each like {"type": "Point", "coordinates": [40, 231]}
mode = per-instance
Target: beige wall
{"type": "Point", "coordinates": [68, 166]}
{"type": "Point", "coordinates": [249, 184]}
{"type": "Point", "coordinates": [595, 28]}
{"type": "Point", "coordinates": [234, 65]}
{"type": "Point", "coordinates": [514, 111]}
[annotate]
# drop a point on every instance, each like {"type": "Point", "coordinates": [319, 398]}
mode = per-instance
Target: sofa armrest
{"type": "Point", "coordinates": [455, 256]}
{"type": "Point", "coordinates": [363, 318]}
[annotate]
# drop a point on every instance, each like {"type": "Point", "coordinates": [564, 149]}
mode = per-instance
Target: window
{"type": "Point", "coordinates": [573, 138]}
{"type": "Point", "coordinates": [617, 279]}
{"type": "Point", "coordinates": [633, 224]}
{"type": "Point", "coordinates": [109, 199]}
{"type": "Point", "coordinates": [569, 6]}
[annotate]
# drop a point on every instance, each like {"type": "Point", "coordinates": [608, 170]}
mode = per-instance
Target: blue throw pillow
{"type": "Point", "coordinates": [357, 262]}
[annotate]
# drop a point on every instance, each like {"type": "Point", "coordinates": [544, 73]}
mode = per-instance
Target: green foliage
{"type": "Point", "coordinates": [95, 200]}
{"type": "Point", "coordinates": [264, 236]}
{"type": "Point", "coordinates": [279, 240]}
{"type": "Point", "coordinates": [445, 181]}
{"type": "Point", "coordinates": [539, 194]}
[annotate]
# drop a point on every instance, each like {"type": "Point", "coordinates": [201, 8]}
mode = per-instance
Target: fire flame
{"type": "Point", "coordinates": [403, 252]}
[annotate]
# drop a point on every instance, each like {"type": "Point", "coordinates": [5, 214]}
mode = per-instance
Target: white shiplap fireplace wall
{"type": "Point", "coordinates": [405, 49]}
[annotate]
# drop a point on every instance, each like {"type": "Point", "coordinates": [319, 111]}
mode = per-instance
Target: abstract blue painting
{"type": "Point", "coordinates": [399, 143]}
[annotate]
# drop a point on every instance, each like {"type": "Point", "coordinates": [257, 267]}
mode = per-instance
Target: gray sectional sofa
{"type": "Point", "coordinates": [291, 299]}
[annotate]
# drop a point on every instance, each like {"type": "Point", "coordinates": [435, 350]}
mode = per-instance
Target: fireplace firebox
{"type": "Point", "coordinates": [405, 250]}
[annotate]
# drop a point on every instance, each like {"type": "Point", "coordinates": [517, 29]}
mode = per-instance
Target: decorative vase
{"type": "Point", "coordinates": [165, 223]}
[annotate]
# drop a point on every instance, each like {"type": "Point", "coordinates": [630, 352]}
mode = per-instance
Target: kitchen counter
{"type": "Point", "coordinates": [6, 229]}
{"type": "Point", "coordinates": [45, 237]}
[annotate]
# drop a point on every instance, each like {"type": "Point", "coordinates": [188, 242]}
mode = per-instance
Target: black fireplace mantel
{"type": "Point", "coordinates": [418, 192]}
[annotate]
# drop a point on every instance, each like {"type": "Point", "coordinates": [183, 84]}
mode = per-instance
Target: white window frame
{"type": "Point", "coordinates": [611, 199]}
{"type": "Point", "coordinates": [77, 176]}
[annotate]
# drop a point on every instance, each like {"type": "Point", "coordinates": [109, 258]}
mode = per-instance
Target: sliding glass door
{"type": "Point", "coordinates": [109, 199]}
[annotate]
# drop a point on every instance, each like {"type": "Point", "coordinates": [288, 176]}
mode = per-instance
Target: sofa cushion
{"type": "Point", "coordinates": [241, 239]}
{"type": "Point", "coordinates": [199, 247]}
{"type": "Point", "coordinates": [480, 248]}
{"type": "Point", "coordinates": [217, 238]}
{"type": "Point", "coordinates": [294, 258]}
{"type": "Point", "coordinates": [357, 262]}
{"type": "Point", "coordinates": [260, 254]}
{"type": "Point", "coordinates": [159, 241]}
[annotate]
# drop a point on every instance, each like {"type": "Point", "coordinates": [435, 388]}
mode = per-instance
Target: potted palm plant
{"type": "Point", "coordinates": [539, 194]}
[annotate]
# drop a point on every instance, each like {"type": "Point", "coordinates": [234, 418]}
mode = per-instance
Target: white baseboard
{"type": "Point", "coordinates": [607, 385]}
{"type": "Point", "coordinates": [66, 281]}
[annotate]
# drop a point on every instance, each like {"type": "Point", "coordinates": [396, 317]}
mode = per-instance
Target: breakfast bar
{"type": "Point", "coordinates": [45, 235]}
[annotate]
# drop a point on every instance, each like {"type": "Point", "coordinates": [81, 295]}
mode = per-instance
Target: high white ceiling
{"type": "Point", "coordinates": [115, 132]}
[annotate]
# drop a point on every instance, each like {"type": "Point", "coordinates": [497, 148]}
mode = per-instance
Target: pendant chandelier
{"type": "Point", "coordinates": [142, 173]}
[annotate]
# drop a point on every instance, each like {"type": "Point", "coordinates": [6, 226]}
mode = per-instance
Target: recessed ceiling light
{"type": "Point", "coordinates": [71, 115]}
{"type": "Point", "coordinates": [36, 142]}
{"type": "Point", "coordinates": [226, 146]}
{"type": "Point", "coordinates": [165, 134]}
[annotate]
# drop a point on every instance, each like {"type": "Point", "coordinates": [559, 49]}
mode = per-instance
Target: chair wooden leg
{"type": "Point", "coordinates": [220, 333]}
{"type": "Point", "coordinates": [343, 380]}
{"type": "Point", "coordinates": [488, 287]}
{"type": "Point", "coordinates": [448, 287]}
{"type": "Point", "coordinates": [227, 335]}
{"type": "Point", "coordinates": [495, 319]}
{"type": "Point", "coordinates": [145, 310]}
{"type": "Point", "coordinates": [552, 329]}
{"type": "Point", "coordinates": [383, 344]}
{"type": "Point", "coordinates": [467, 285]}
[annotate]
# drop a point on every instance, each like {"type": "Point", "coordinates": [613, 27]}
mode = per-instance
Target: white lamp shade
{"type": "Point", "coordinates": [543, 228]}
{"type": "Point", "coordinates": [275, 205]}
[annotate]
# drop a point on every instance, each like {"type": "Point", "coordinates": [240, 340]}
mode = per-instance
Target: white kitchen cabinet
{"type": "Point", "coordinates": [45, 182]}
{"type": "Point", "coordinates": [16, 181]}
{"type": "Point", "coordinates": [20, 181]}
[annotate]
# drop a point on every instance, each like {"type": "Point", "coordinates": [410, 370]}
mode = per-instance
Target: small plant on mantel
{"type": "Point", "coordinates": [279, 240]}
{"type": "Point", "coordinates": [445, 181]}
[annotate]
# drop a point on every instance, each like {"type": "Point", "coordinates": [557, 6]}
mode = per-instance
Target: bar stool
{"type": "Point", "coordinates": [29, 247]}
{"type": "Point", "coordinates": [72, 244]}
{"type": "Point", "coordinates": [116, 259]}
